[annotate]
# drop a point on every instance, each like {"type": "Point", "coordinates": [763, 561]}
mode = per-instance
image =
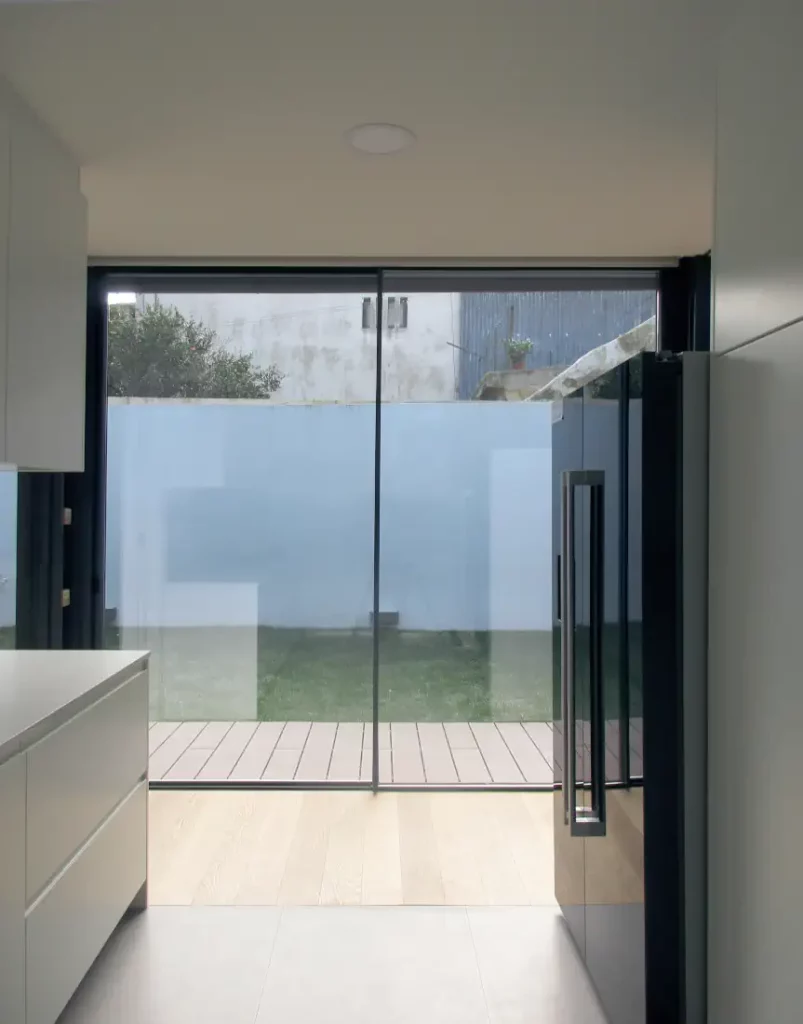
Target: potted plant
{"type": "Point", "coordinates": [517, 351]}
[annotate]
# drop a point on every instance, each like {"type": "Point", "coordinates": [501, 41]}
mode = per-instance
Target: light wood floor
{"type": "Point", "coordinates": [327, 847]}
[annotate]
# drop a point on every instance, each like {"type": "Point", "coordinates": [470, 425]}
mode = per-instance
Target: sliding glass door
{"type": "Point", "coordinates": [329, 516]}
{"type": "Point", "coordinates": [465, 577]}
{"type": "Point", "coordinates": [240, 519]}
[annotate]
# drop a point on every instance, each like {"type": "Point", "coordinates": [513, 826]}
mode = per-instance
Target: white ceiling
{"type": "Point", "coordinates": [214, 128]}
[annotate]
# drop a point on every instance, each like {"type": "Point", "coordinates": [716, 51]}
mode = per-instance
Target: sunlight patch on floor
{"type": "Point", "coordinates": [313, 848]}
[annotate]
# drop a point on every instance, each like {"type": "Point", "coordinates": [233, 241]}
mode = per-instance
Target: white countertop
{"type": "Point", "coordinates": [40, 690]}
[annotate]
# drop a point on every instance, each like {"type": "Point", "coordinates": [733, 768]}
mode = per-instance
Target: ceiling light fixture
{"type": "Point", "coordinates": [380, 139]}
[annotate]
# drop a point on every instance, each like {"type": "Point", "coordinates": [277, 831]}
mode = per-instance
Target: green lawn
{"type": "Point", "coordinates": [325, 675]}
{"type": "Point", "coordinates": [423, 676]}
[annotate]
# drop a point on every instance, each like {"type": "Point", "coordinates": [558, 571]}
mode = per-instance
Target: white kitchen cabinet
{"type": "Point", "coordinates": [42, 295]}
{"type": "Point", "coordinates": [73, 818]}
{"type": "Point", "coordinates": [12, 890]}
{"type": "Point", "coordinates": [67, 795]}
{"type": "Point", "coordinates": [67, 928]}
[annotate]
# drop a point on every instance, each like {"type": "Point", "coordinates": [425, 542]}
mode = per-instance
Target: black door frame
{"type": "Point", "coordinates": [74, 556]}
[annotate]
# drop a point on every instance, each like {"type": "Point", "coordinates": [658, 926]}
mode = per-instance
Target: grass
{"type": "Point", "coordinates": [423, 676]}
{"type": "Point", "coordinates": [326, 675]}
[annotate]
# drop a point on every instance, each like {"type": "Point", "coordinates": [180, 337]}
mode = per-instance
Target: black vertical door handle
{"type": "Point", "coordinates": [584, 821]}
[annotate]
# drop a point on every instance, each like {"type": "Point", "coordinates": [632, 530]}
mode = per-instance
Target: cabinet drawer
{"type": "Point", "coordinates": [70, 924]}
{"type": "Point", "coordinates": [79, 773]}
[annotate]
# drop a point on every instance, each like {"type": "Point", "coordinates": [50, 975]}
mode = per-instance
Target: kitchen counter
{"type": "Point", "coordinates": [73, 818]}
{"type": "Point", "coordinates": [40, 690]}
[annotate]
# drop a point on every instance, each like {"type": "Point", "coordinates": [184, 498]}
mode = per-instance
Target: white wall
{"type": "Point", "coordinates": [318, 343]}
{"type": "Point", "coordinates": [756, 557]}
{"type": "Point", "coordinates": [207, 497]}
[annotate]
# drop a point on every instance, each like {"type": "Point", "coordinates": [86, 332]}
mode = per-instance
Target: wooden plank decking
{"type": "Point", "coordinates": [411, 753]}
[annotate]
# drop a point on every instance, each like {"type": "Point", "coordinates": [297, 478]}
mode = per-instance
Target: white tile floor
{"type": "Point", "coordinates": [244, 965]}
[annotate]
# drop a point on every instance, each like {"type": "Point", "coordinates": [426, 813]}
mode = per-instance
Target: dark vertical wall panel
{"type": "Point", "coordinates": [662, 653]}
{"type": "Point", "coordinates": [85, 494]}
{"type": "Point", "coordinates": [40, 566]}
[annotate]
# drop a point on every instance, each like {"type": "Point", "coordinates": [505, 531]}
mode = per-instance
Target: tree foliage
{"type": "Point", "coordinates": [160, 353]}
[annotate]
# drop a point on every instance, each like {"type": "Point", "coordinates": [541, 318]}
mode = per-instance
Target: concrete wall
{"type": "Point", "coordinates": [318, 343]}
{"type": "Point", "coordinates": [246, 513]}
{"type": "Point", "coordinates": [756, 557]}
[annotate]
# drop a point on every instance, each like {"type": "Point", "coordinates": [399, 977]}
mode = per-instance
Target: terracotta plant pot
{"type": "Point", "coordinates": [517, 364]}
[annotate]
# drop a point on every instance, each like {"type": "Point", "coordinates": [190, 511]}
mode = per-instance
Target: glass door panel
{"type": "Point", "coordinates": [241, 444]}
{"type": "Point", "coordinates": [466, 507]}
{"type": "Point", "coordinates": [243, 455]}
